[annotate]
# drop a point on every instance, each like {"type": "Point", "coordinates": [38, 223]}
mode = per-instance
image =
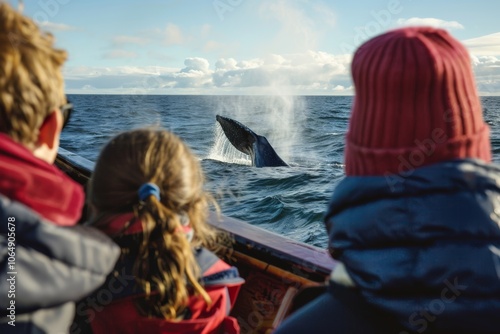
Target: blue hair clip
{"type": "Point", "coordinates": [148, 189]}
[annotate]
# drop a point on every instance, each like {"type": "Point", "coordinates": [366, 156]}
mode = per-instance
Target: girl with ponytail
{"type": "Point", "coordinates": [147, 193]}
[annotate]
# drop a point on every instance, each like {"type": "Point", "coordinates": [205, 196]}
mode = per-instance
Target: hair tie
{"type": "Point", "coordinates": [148, 189]}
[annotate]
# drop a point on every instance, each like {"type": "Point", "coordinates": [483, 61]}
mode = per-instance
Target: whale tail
{"type": "Point", "coordinates": [248, 142]}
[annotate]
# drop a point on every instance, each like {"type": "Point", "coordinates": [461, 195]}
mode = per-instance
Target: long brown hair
{"type": "Point", "coordinates": [165, 263]}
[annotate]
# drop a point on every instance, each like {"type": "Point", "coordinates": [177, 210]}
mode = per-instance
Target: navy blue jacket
{"type": "Point", "coordinates": [46, 268]}
{"type": "Point", "coordinates": [425, 246]}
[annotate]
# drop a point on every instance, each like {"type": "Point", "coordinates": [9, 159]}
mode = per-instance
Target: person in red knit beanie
{"type": "Point", "coordinates": [416, 104]}
{"type": "Point", "coordinates": [415, 224]}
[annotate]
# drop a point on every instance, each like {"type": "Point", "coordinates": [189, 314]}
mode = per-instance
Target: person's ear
{"type": "Point", "coordinates": [50, 130]}
{"type": "Point", "coordinates": [48, 137]}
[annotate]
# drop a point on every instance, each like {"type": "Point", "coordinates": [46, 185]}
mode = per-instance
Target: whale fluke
{"type": "Point", "coordinates": [248, 142]}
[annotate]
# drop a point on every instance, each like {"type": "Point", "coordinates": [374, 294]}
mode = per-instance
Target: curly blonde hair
{"type": "Point", "coordinates": [165, 262]}
{"type": "Point", "coordinates": [31, 82]}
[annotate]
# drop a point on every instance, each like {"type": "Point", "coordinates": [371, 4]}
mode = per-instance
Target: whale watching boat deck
{"type": "Point", "coordinates": [279, 272]}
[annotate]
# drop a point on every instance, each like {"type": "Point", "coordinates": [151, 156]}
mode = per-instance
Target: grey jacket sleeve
{"type": "Point", "coordinates": [45, 265]}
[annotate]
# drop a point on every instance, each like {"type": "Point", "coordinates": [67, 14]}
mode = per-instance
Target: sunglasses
{"type": "Point", "coordinates": [66, 111]}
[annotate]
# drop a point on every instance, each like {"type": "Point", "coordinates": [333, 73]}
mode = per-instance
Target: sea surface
{"type": "Point", "coordinates": [306, 131]}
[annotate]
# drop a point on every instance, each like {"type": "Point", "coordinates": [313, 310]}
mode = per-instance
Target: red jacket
{"type": "Point", "coordinates": [58, 263]}
{"type": "Point", "coordinates": [39, 185]}
{"type": "Point", "coordinates": [221, 282]}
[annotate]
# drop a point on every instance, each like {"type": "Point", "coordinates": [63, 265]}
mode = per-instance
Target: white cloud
{"type": "Point", "coordinates": [195, 64]}
{"type": "Point", "coordinates": [301, 73]}
{"type": "Point", "coordinates": [115, 54]}
{"type": "Point", "coordinates": [205, 30]}
{"type": "Point", "coordinates": [134, 40]}
{"type": "Point", "coordinates": [87, 72]}
{"type": "Point", "coordinates": [226, 64]}
{"type": "Point", "coordinates": [326, 15]}
{"type": "Point", "coordinates": [162, 57]}
{"type": "Point", "coordinates": [485, 55]}
{"type": "Point", "coordinates": [172, 35]}
{"type": "Point", "coordinates": [488, 45]}
{"type": "Point", "coordinates": [297, 25]}
{"type": "Point", "coordinates": [88, 87]}
{"type": "Point", "coordinates": [298, 31]}
{"type": "Point", "coordinates": [169, 36]}
{"type": "Point", "coordinates": [310, 72]}
{"type": "Point", "coordinates": [212, 45]}
{"type": "Point", "coordinates": [433, 22]}
{"type": "Point", "coordinates": [487, 74]}
{"type": "Point", "coordinates": [196, 73]}
{"type": "Point", "coordinates": [56, 26]}
{"type": "Point", "coordinates": [123, 79]}
{"type": "Point", "coordinates": [341, 88]}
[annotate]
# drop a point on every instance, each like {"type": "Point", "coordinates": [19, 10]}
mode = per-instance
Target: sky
{"type": "Point", "coordinates": [296, 47]}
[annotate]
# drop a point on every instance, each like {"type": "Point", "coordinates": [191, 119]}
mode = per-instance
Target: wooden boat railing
{"type": "Point", "coordinates": [275, 268]}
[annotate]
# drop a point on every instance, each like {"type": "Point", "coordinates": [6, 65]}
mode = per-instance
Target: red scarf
{"type": "Point", "coordinates": [38, 184]}
{"type": "Point", "coordinates": [127, 223]}
{"type": "Point", "coordinates": [121, 223]}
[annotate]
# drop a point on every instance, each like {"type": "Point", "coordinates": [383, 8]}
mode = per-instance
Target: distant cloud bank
{"type": "Point", "coordinates": [306, 73]}
{"type": "Point", "coordinates": [485, 54]}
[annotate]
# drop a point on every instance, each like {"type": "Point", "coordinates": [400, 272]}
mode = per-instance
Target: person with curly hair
{"type": "Point", "coordinates": [46, 262]}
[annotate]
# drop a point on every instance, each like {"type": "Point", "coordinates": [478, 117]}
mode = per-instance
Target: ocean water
{"type": "Point", "coordinates": [306, 131]}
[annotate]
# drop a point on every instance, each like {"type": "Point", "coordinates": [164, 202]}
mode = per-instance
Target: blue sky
{"type": "Point", "coordinates": [246, 46]}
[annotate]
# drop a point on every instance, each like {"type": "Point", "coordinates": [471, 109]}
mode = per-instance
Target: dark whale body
{"type": "Point", "coordinates": [248, 142]}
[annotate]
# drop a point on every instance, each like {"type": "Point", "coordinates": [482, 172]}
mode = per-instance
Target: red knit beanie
{"type": "Point", "coordinates": [416, 104]}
